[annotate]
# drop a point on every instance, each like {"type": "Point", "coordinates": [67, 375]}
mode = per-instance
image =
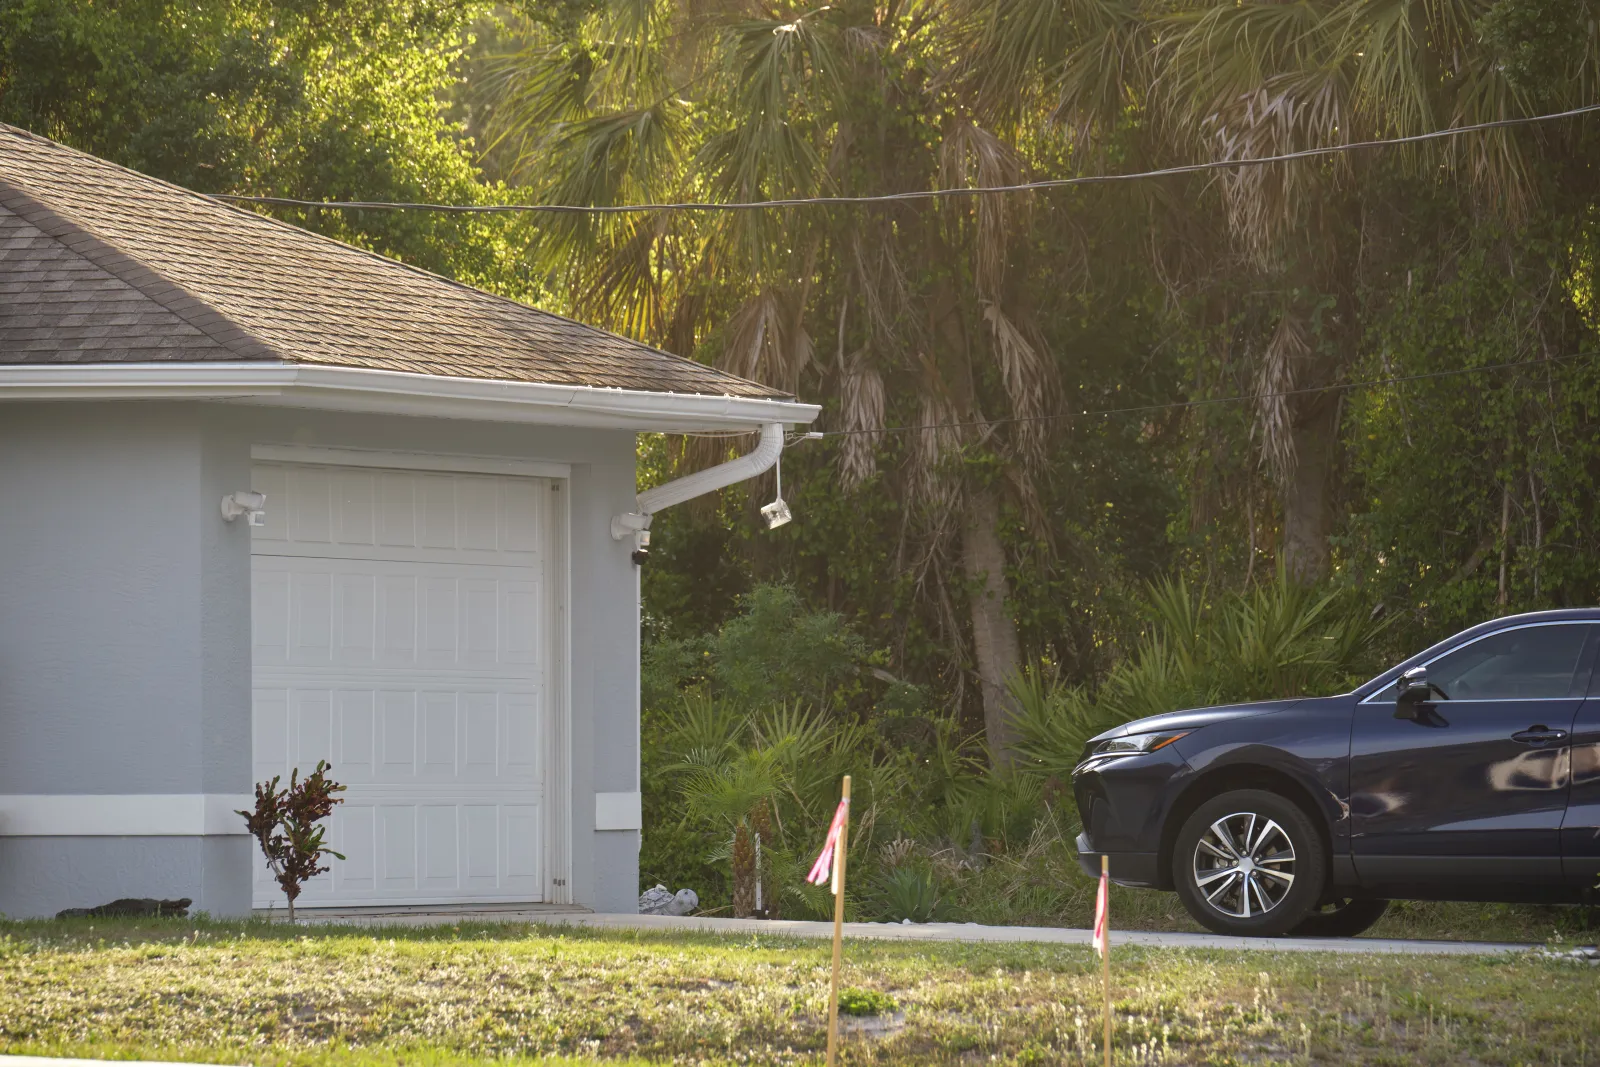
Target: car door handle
{"type": "Point", "coordinates": [1538, 735]}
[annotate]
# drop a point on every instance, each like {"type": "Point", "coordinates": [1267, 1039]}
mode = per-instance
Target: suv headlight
{"type": "Point", "coordinates": [1129, 744]}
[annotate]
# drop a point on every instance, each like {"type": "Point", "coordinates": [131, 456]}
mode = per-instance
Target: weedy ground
{"type": "Point", "coordinates": [270, 994]}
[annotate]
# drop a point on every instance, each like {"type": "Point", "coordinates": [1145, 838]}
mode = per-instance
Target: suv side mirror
{"type": "Point", "coordinates": [1414, 692]}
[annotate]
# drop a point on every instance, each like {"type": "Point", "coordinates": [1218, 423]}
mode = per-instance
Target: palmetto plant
{"type": "Point", "coordinates": [1279, 639]}
{"type": "Point", "coordinates": [774, 770]}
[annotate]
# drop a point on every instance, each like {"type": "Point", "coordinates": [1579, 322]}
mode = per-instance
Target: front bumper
{"type": "Point", "coordinates": [1140, 870]}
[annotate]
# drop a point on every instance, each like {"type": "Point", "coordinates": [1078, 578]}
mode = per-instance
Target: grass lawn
{"type": "Point", "coordinates": [274, 994]}
{"type": "Point", "coordinates": [1138, 909]}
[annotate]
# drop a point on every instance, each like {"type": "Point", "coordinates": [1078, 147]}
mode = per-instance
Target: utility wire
{"type": "Point", "coordinates": [887, 198]}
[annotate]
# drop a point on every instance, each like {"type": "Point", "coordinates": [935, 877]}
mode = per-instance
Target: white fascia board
{"type": "Point", "coordinates": [395, 392]}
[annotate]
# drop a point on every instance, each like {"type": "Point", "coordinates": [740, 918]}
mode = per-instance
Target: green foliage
{"type": "Point", "coordinates": [725, 738]}
{"type": "Point", "coordinates": [273, 97]}
{"type": "Point", "coordinates": [1275, 640]}
{"type": "Point", "coordinates": [1475, 495]}
{"type": "Point", "coordinates": [909, 893]}
{"type": "Point", "coordinates": [855, 1001]}
{"type": "Point", "coordinates": [1538, 42]}
{"type": "Point", "coordinates": [776, 650]}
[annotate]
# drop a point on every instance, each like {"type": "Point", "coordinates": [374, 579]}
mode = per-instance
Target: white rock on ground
{"type": "Point", "coordinates": [662, 901]}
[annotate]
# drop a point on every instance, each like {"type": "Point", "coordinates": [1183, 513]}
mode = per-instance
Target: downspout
{"type": "Point", "coordinates": [758, 461]}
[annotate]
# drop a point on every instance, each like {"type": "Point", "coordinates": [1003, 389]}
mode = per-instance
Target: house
{"type": "Point", "coordinates": [438, 593]}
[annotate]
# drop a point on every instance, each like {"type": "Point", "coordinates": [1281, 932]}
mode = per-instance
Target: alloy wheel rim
{"type": "Point", "coordinates": [1244, 865]}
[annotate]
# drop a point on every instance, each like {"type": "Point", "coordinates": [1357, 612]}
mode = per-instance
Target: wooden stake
{"type": "Point", "coordinates": [1105, 957]}
{"type": "Point", "coordinates": [838, 927]}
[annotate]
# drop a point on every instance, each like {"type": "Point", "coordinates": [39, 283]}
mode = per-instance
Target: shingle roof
{"type": "Point", "coordinates": [102, 264]}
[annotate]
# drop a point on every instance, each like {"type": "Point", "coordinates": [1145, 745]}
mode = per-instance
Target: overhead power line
{"type": "Point", "coordinates": [889, 198]}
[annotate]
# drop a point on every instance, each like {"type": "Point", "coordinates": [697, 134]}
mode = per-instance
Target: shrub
{"type": "Point", "coordinates": [287, 825]}
{"type": "Point", "coordinates": [909, 893]}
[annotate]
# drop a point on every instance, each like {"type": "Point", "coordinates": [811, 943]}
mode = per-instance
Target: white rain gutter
{"type": "Point", "coordinates": [398, 393]}
{"type": "Point", "coordinates": [758, 461]}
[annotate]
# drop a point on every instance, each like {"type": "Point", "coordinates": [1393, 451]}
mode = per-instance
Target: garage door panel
{"type": "Point", "coordinates": [395, 736]}
{"type": "Point", "coordinates": [371, 513]}
{"type": "Point", "coordinates": [397, 610]}
{"type": "Point", "coordinates": [312, 739]}
{"type": "Point", "coordinates": [520, 756]}
{"type": "Point", "coordinates": [410, 852]}
{"type": "Point", "coordinates": [311, 616]}
{"type": "Point", "coordinates": [355, 507]}
{"type": "Point", "coordinates": [270, 730]}
{"type": "Point", "coordinates": [357, 835]}
{"type": "Point", "coordinates": [478, 516]}
{"type": "Point", "coordinates": [520, 518]}
{"type": "Point", "coordinates": [521, 606]}
{"type": "Point", "coordinates": [399, 735]}
{"type": "Point", "coordinates": [397, 858]}
{"type": "Point", "coordinates": [436, 499]}
{"type": "Point", "coordinates": [480, 621]}
{"type": "Point", "coordinates": [397, 510]}
{"type": "Point", "coordinates": [440, 859]}
{"type": "Point", "coordinates": [480, 846]}
{"type": "Point", "coordinates": [269, 614]}
{"type": "Point", "coordinates": [356, 755]}
{"type": "Point", "coordinates": [480, 735]}
{"type": "Point", "coordinates": [356, 603]}
{"type": "Point", "coordinates": [441, 624]}
{"type": "Point", "coordinates": [400, 634]}
{"type": "Point", "coordinates": [310, 505]}
{"type": "Point", "coordinates": [311, 612]}
{"type": "Point", "coordinates": [438, 737]}
{"type": "Point", "coordinates": [521, 829]}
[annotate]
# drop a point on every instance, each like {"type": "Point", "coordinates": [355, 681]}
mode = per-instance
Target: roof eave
{"type": "Point", "coordinates": [394, 392]}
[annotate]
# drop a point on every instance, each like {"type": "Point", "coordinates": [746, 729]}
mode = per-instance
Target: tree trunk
{"type": "Point", "coordinates": [1308, 514]}
{"type": "Point", "coordinates": [994, 635]}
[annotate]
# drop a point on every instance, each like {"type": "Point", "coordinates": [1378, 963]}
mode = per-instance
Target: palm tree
{"type": "Point", "coordinates": [1162, 82]}
{"type": "Point", "coordinates": [902, 314]}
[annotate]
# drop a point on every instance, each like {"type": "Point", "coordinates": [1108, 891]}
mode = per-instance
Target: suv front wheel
{"type": "Point", "coordinates": [1249, 863]}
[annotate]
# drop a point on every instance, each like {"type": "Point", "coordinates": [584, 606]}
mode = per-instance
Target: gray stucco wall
{"type": "Point", "coordinates": [125, 631]}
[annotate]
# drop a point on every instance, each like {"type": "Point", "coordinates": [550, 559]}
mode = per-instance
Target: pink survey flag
{"type": "Point", "coordinates": [1102, 905]}
{"type": "Point", "coordinates": [823, 868]}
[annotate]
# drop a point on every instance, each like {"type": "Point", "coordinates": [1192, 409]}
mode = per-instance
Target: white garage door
{"type": "Point", "coordinates": [401, 625]}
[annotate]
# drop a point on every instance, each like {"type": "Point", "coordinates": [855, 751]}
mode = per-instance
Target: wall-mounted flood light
{"type": "Point", "coordinates": [248, 503]}
{"type": "Point", "coordinates": [777, 512]}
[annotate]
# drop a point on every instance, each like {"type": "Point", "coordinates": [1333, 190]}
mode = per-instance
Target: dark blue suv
{"type": "Point", "coordinates": [1469, 772]}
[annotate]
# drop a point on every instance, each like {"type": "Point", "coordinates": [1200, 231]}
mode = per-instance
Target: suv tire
{"type": "Point", "coordinates": [1249, 863]}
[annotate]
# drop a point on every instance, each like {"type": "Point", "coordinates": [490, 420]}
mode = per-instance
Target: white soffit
{"type": "Point", "coordinates": [393, 392]}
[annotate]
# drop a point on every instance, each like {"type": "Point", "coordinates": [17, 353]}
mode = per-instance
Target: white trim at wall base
{"type": "Point", "coordinates": [122, 815]}
{"type": "Point", "coordinates": [395, 392]}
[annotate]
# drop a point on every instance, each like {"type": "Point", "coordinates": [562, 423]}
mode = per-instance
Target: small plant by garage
{"type": "Point", "coordinates": [287, 823]}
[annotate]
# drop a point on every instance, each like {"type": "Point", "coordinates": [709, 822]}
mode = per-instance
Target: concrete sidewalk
{"type": "Point", "coordinates": [1040, 935]}
{"type": "Point", "coordinates": [557, 916]}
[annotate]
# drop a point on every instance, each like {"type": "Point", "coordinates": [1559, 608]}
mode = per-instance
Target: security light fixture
{"type": "Point", "coordinates": [248, 503]}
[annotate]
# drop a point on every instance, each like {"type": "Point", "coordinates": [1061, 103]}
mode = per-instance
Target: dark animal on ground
{"type": "Point", "coordinates": [131, 907]}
